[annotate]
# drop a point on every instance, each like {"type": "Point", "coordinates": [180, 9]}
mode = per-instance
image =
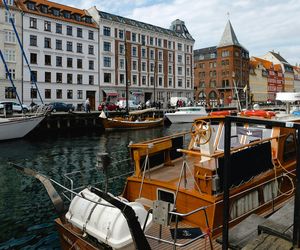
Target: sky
{"type": "Point", "coordinates": [260, 25]}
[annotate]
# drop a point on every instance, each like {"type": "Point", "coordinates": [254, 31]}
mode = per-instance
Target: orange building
{"type": "Point", "coordinates": [222, 72]}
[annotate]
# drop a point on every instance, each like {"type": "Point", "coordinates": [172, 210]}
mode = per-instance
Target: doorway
{"type": "Point", "coordinates": [92, 96]}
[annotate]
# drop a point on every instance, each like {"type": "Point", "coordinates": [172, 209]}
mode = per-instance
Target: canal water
{"type": "Point", "coordinates": [26, 212]}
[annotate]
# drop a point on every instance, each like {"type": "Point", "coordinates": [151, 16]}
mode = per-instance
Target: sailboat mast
{"type": "Point", "coordinates": [127, 72]}
{"type": "Point", "coordinates": [32, 77]}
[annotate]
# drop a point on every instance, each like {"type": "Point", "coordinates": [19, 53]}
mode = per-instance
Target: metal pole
{"type": "Point", "coordinates": [226, 183]}
{"type": "Point", "coordinates": [127, 71]}
{"type": "Point", "coordinates": [33, 80]}
{"type": "Point", "coordinates": [296, 229]}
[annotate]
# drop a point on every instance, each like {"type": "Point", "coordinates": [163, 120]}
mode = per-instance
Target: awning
{"type": "Point", "coordinates": [110, 92]}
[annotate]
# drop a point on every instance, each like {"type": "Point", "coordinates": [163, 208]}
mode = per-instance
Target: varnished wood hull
{"type": "Point", "coordinates": [111, 123]}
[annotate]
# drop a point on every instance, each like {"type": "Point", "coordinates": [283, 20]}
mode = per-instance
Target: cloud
{"type": "Point", "coordinates": [260, 25]}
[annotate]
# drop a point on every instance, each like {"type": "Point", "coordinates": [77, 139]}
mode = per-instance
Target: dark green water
{"type": "Point", "coordinates": [26, 212]}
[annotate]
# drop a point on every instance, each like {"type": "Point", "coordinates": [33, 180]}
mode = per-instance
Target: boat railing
{"type": "Point", "coordinates": [70, 177]}
{"type": "Point", "coordinates": [177, 216]}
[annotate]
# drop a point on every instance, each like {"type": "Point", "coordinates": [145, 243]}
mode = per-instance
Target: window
{"type": "Point", "coordinates": [47, 60]}
{"type": "Point", "coordinates": [133, 37]}
{"type": "Point", "coordinates": [55, 12]}
{"type": "Point", "coordinates": [160, 81]}
{"type": "Point", "coordinates": [69, 30]}
{"type": "Point", "coordinates": [160, 68]}
{"type": "Point", "coordinates": [79, 79]}
{"type": "Point", "coordinates": [69, 46]}
{"type": "Point", "coordinates": [144, 55]}
{"type": "Point", "coordinates": [179, 82]}
{"type": "Point", "coordinates": [79, 94]}
{"type": "Point", "coordinates": [34, 76]}
{"type": "Point", "coordinates": [179, 46]}
{"type": "Point", "coordinates": [179, 58]}
{"type": "Point", "coordinates": [170, 82]}
{"type": "Point", "coordinates": [31, 5]}
{"type": "Point", "coordinates": [106, 46]}
{"type": "Point", "coordinates": [10, 2]}
{"type": "Point", "coordinates": [58, 94]}
{"type": "Point", "coordinates": [91, 64]}
{"type": "Point", "coordinates": [179, 70]}
{"type": "Point", "coordinates": [10, 36]}
{"type": "Point", "coordinates": [170, 70]}
{"type": "Point", "coordinates": [58, 28]}
{"type": "Point", "coordinates": [58, 77]}
{"type": "Point", "coordinates": [91, 80]}
{"type": "Point", "coordinates": [44, 9]}
{"type": "Point", "coordinates": [47, 76]}
{"type": "Point", "coordinates": [8, 17]}
{"type": "Point", "coordinates": [10, 55]}
{"type": "Point", "coordinates": [47, 26]}
{"type": "Point", "coordinates": [134, 65]}
{"type": "Point", "coordinates": [107, 77]}
{"type": "Point", "coordinates": [33, 40]}
{"type": "Point", "coordinates": [12, 73]}
{"type": "Point", "coordinates": [69, 78]}
{"type": "Point", "coordinates": [58, 61]}
{"type": "Point", "coordinates": [91, 35]}
{"type": "Point", "coordinates": [106, 31]}
{"type": "Point", "coordinates": [79, 63]}
{"type": "Point", "coordinates": [79, 47]}
{"type": "Point", "coordinates": [169, 45]}
{"type": "Point", "coordinates": [160, 55]}
{"type": "Point", "coordinates": [121, 34]}
{"type": "Point", "coordinates": [151, 40]}
{"type": "Point", "coordinates": [144, 80]}
{"type": "Point", "coordinates": [122, 63]}
{"type": "Point", "coordinates": [122, 49]}
{"type": "Point", "coordinates": [134, 51]}
{"type": "Point", "coordinates": [91, 50]}
{"type": "Point", "coordinates": [69, 62]}
{"type": "Point", "coordinates": [32, 23]}
{"type": "Point", "coordinates": [151, 80]}
{"type": "Point", "coordinates": [47, 93]}
{"type": "Point", "coordinates": [152, 54]}
{"type": "Point", "coordinates": [170, 56]}
{"type": "Point", "coordinates": [79, 32]}
{"type": "Point", "coordinates": [144, 66]}
{"type": "Point", "coordinates": [225, 53]}
{"type": "Point", "coordinates": [151, 67]}
{"type": "Point", "coordinates": [143, 40]}
{"type": "Point", "coordinates": [33, 93]}
{"type": "Point", "coordinates": [122, 79]}
{"type": "Point", "coordinates": [107, 61]}
{"type": "Point", "coordinates": [70, 94]}
{"type": "Point", "coordinates": [159, 42]}
{"type": "Point", "coordinates": [47, 43]}
{"type": "Point", "coordinates": [134, 79]}
{"type": "Point", "coordinates": [58, 44]}
{"type": "Point", "coordinates": [33, 58]}
{"type": "Point", "coordinates": [10, 93]}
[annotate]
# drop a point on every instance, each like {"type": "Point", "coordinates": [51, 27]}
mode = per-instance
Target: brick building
{"type": "Point", "coordinates": [222, 71]}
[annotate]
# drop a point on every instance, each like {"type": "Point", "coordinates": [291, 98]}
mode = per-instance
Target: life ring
{"type": "Point", "coordinates": [259, 113]}
{"type": "Point", "coordinates": [220, 113]}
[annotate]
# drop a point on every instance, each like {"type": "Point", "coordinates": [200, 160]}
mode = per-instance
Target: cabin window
{"type": "Point", "coordinates": [244, 204]}
{"type": "Point", "coordinates": [165, 195]}
{"type": "Point", "coordinates": [289, 151]}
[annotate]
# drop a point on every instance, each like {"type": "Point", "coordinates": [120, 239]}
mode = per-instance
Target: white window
{"type": "Point", "coordinates": [134, 79]}
{"type": "Point", "coordinates": [107, 61]}
{"type": "Point", "coordinates": [179, 70]}
{"type": "Point", "coordinates": [10, 2]}
{"type": "Point", "coordinates": [170, 82]}
{"type": "Point", "coordinates": [160, 55]}
{"type": "Point", "coordinates": [144, 80]}
{"type": "Point", "coordinates": [10, 55]}
{"type": "Point", "coordinates": [121, 49]}
{"type": "Point", "coordinates": [144, 66]}
{"type": "Point", "coordinates": [170, 71]}
{"type": "Point", "coordinates": [160, 68]}
{"type": "Point", "coordinates": [122, 63]}
{"type": "Point", "coordinates": [10, 36]}
{"type": "Point", "coordinates": [179, 58]}
{"type": "Point", "coordinates": [12, 15]}
{"type": "Point", "coordinates": [134, 51]}
{"type": "Point", "coordinates": [152, 56]}
{"type": "Point", "coordinates": [134, 65]}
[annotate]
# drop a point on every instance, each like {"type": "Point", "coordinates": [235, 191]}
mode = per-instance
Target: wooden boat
{"type": "Point", "coordinates": [182, 186]}
{"type": "Point", "coordinates": [136, 120]}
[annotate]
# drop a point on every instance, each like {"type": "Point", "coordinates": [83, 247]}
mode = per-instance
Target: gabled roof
{"type": "Point", "coordinates": [229, 38]}
{"type": "Point", "coordinates": [267, 64]}
{"type": "Point", "coordinates": [278, 57]}
{"type": "Point", "coordinates": [150, 27]}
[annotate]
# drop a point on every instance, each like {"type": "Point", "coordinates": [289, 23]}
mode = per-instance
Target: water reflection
{"type": "Point", "coordinates": [26, 212]}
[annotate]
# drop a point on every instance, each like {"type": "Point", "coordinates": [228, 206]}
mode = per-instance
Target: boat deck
{"type": "Point", "coordinates": [171, 174]}
{"type": "Point", "coordinates": [202, 243]}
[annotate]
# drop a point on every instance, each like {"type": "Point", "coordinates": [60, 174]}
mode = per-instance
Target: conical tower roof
{"type": "Point", "coordinates": [229, 38]}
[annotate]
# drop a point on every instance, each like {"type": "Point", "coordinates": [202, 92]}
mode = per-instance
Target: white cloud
{"type": "Point", "coordinates": [260, 25]}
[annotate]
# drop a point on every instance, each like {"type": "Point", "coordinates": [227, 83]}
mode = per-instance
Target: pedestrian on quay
{"type": "Point", "coordinates": [87, 105]}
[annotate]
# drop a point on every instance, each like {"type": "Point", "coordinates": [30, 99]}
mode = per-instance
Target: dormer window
{"type": "Point", "coordinates": [56, 12]}
{"type": "Point", "coordinates": [67, 14]}
{"type": "Point", "coordinates": [88, 19]}
{"type": "Point", "coordinates": [44, 9]}
{"type": "Point", "coordinates": [77, 17]}
{"type": "Point", "coordinates": [31, 5]}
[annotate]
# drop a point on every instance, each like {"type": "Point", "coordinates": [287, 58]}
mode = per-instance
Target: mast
{"type": "Point", "coordinates": [127, 70]}
{"type": "Point", "coordinates": [32, 77]}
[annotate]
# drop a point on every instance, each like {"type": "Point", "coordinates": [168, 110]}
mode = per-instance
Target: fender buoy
{"type": "Point", "coordinates": [259, 113]}
{"type": "Point", "coordinates": [220, 113]}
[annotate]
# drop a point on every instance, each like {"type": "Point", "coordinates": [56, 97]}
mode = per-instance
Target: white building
{"type": "Point", "coordinates": [61, 43]}
{"type": "Point", "coordinates": [159, 61]}
{"type": "Point", "coordinates": [11, 51]}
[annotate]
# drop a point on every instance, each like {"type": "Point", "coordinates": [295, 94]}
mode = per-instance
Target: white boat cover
{"type": "Point", "coordinates": [106, 224]}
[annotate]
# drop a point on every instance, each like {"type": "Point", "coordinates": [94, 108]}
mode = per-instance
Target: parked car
{"type": "Point", "coordinates": [110, 106]}
{"type": "Point", "coordinates": [15, 106]}
{"type": "Point", "coordinates": [60, 106]}
{"type": "Point", "coordinates": [131, 104]}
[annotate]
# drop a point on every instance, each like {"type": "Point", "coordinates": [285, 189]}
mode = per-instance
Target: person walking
{"type": "Point", "coordinates": [87, 105]}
